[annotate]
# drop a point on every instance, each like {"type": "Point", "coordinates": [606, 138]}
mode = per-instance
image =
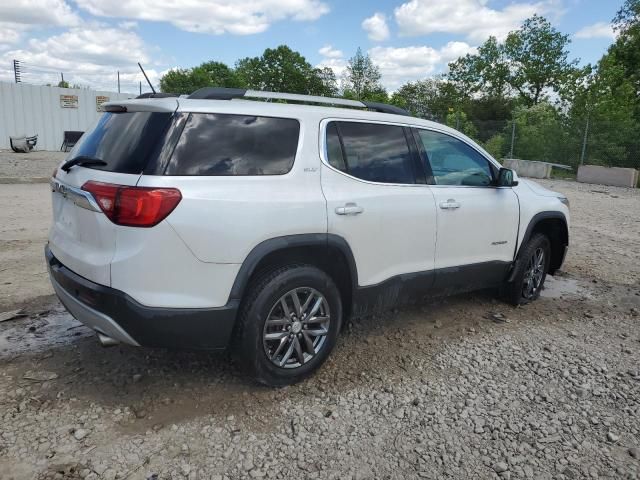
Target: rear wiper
{"type": "Point", "coordinates": [81, 160]}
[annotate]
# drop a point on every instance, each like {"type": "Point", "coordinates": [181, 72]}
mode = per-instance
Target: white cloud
{"type": "Point", "coordinates": [19, 16]}
{"type": "Point", "coordinates": [400, 65]}
{"type": "Point", "coordinates": [334, 59]}
{"type": "Point", "coordinates": [597, 30]}
{"type": "Point", "coordinates": [38, 12]}
{"type": "Point", "coordinates": [329, 52]}
{"type": "Point", "coordinates": [89, 55]}
{"type": "Point", "coordinates": [472, 18]}
{"type": "Point", "coordinates": [240, 17]}
{"type": "Point", "coordinates": [376, 27]}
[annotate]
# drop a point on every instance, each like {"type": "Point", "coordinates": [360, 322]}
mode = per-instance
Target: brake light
{"type": "Point", "coordinates": [134, 206]}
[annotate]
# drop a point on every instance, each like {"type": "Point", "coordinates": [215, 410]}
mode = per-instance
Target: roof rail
{"type": "Point", "coordinates": [219, 93]}
{"type": "Point", "coordinates": [157, 95]}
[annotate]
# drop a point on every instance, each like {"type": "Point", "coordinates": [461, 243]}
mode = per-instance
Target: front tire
{"type": "Point", "coordinates": [531, 271]}
{"type": "Point", "coordinates": [288, 324]}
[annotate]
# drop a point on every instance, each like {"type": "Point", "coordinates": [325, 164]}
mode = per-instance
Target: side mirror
{"type": "Point", "coordinates": [507, 178]}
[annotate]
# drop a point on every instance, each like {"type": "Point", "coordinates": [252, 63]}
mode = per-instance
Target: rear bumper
{"type": "Point", "coordinates": [115, 314]}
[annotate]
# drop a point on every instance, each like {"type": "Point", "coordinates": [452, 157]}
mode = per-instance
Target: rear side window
{"type": "Point", "coordinates": [222, 144]}
{"type": "Point", "coordinates": [123, 140]}
{"type": "Point", "coordinates": [371, 151]}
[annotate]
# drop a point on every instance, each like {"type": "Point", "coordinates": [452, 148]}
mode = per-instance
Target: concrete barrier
{"type": "Point", "coordinates": [618, 177]}
{"type": "Point", "coordinates": [529, 168]}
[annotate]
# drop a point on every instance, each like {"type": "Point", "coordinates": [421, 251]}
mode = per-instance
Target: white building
{"type": "Point", "coordinates": [27, 110]}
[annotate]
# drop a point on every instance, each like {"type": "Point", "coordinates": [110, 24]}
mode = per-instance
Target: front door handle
{"type": "Point", "coordinates": [450, 204]}
{"type": "Point", "coordinates": [349, 209]}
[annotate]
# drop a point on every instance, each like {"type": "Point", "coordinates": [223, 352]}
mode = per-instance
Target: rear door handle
{"type": "Point", "coordinates": [349, 209]}
{"type": "Point", "coordinates": [450, 204]}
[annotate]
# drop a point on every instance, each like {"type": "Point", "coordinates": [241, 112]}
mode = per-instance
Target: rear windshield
{"type": "Point", "coordinates": [222, 144]}
{"type": "Point", "coordinates": [123, 140]}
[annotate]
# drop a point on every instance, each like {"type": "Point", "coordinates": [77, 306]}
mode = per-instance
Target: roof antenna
{"type": "Point", "coordinates": [145, 76]}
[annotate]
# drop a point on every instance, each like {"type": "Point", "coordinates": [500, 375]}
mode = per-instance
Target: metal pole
{"type": "Point", "coordinates": [584, 140]}
{"type": "Point", "coordinates": [62, 78]}
{"type": "Point", "coordinates": [513, 136]}
{"type": "Point", "coordinates": [118, 81]}
{"type": "Point", "coordinates": [16, 70]}
{"type": "Point", "coordinates": [140, 84]}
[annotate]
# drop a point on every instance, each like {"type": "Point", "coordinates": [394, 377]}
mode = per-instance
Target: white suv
{"type": "Point", "coordinates": [213, 220]}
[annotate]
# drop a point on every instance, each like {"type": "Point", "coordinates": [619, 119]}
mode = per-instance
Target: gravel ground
{"type": "Point", "coordinates": [32, 167]}
{"type": "Point", "coordinates": [464, 387]}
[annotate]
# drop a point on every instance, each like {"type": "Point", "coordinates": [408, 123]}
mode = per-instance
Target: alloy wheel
{"type": "Point", "coordinates": [534, 274]}
{"type": "Point", "coordinates": [296, 328]}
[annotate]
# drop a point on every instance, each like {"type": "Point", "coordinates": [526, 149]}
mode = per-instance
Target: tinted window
{"type": "Point", "coordinates": [123, 140]}
{"type": "Point", "coordinates": [376, 152]}
{"type": "Point", "coordinates": [453, 162]}
{"type": "Point", "coordinates": [221, 144]}
{"type": "Point", "coordinates": [334, 149]}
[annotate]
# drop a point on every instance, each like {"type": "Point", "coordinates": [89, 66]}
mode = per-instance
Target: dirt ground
{"type": "Point", "coordinates": [464, 387]}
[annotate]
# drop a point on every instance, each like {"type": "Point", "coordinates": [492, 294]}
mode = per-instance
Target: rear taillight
{"type": "Point", "coordinates": [134, 206]}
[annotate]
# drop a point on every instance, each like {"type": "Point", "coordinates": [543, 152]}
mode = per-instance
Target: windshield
{"type": "Point", "coordinates": [123, 141]}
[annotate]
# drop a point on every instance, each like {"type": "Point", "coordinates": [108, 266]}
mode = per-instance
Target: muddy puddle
{"type": "Point", "coordinates": [561, 286]}
{"type": "Point", "coordinates": [35, 334]}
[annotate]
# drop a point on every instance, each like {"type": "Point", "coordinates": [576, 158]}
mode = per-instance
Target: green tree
{"type": "Point", "coordinates": [430, 98]}
{"type": "Point", "coordinates": [324, 82]}
{"type": "Point", "coordinates": [540, 134]}
{"type": "Point", "coordinates": [487, 71]}
{"type": "Point", "coordinates": [284, 70]}
{"type": "Point", "coordinates": [362, 79]}
{"type": "Point", "coordinates": [531, 61]}
{"type": "Point", "coordinates": [207, 74]}
{"type": "Point", "coordinates": [460, 121]}
{"type": "Point", "coordinates": [538, 55]}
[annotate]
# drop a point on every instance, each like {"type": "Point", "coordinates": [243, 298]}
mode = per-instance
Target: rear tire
{"type": "Point", "coordinates": [288, 324]}
{"type": "Point", "coordinates": [531, 271]}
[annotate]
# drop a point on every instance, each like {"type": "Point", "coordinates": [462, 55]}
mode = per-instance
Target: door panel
{"type": "Point", "coordinates": [477, 222]}
{"type": "Point", "coordinates": [482, 228]}
{"type": "Point", "coordinates": [395, 231]}
{"type": "Point", "coordinates": [373, 201]}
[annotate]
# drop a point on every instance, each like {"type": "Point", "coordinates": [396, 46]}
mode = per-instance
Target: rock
{"type": "Point", "coordinates": [399, 413]}
{"type": "Point", "coordinates": [10, 315]}
{"type": "Point", "coordinates": [612, 437]}
{"type": "Point", "coordinates": [109, 474]}
{"type": "Point", "coordinates": [634, 452]}
{"type": "Point", "coordinates": [500, 467]}
{"type": "Point", "coordinates": [80, 433]}
{"type": "Point", "coordinates": [137, 377]}
{"type": "Point", "coordinates": [40, 376]}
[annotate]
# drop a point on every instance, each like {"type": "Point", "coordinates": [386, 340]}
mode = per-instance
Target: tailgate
{"type": "Point", "coordinates": [81, 236]}
{"type": "Point", "coordinates": [116, 150]}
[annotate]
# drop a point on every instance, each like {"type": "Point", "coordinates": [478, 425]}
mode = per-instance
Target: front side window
{"type": "Point", "coordinates": [370, 151]}
{"type": "Point", "coordinates": [453, 162]}
{"type": "Point", "coordinates": [222, 144]}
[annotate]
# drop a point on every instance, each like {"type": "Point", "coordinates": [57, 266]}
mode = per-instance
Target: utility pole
{"type": "Point", "coordinates": [513, 136]}
{"type": "Point", "coordinates": [16, 70]}
{"type": "Point", "coordinates": [118, 81]}
{"type": "Point", "coordinates": [584, 140]}
{"type": "Point", "coordinates": [62, 78]}
{"type": "Point", "coordinates": [140, 85]}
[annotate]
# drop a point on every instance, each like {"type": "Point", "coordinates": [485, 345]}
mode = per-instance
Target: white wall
{"type": "Point", "coordinates": [31, 109]}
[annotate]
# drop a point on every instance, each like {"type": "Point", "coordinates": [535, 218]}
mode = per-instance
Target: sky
{"type": "Point", "coordinates": [90, 40]}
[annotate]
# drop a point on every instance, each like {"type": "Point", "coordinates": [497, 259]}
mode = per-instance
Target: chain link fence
{"type": "Point", "coordinates": [551, 138]}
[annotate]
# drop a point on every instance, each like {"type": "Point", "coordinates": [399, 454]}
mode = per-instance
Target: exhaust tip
{"type": "Point", "coordinates": [107, 341]}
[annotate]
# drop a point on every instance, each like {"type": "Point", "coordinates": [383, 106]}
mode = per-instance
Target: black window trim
{"type": "Point", "coordinates": [188, 115]}
{"type": "Point", "coordinates": [324, 155]}
{"type": "Point", "coordinates": [492, 166]}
